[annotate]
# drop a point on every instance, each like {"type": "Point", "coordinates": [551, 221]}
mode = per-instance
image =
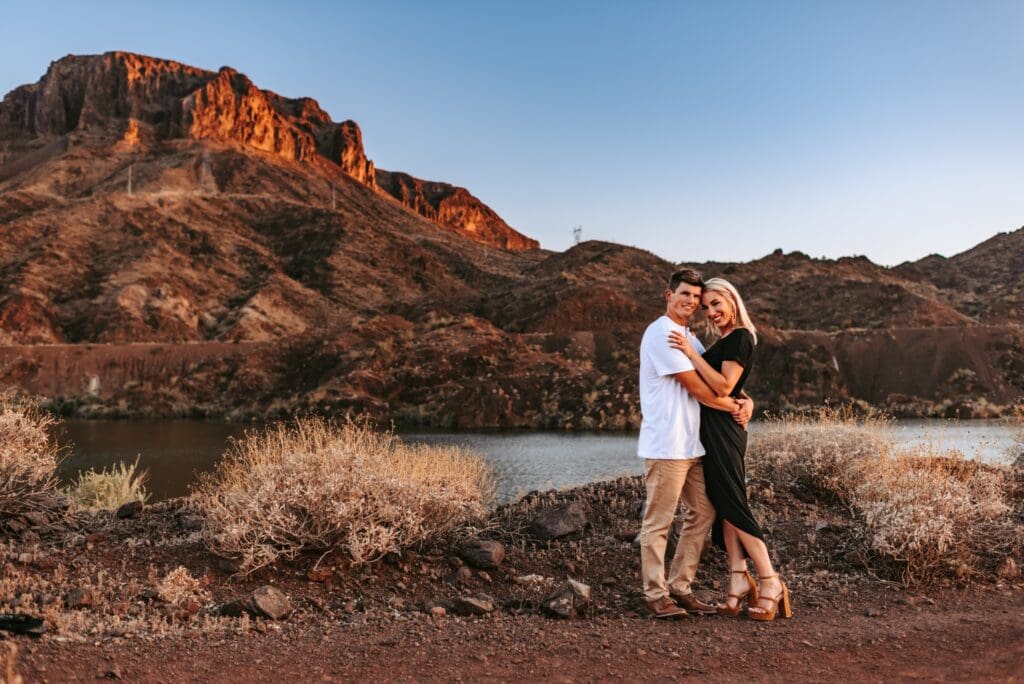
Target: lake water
{"type": "Point", "coordinates": [173, 451]}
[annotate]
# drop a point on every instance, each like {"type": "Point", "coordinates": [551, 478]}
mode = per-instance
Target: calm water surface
{"type": "Point", "coordinates": [173, 451]}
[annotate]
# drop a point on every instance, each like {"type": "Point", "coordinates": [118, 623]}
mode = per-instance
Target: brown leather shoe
{"type": "Point", "coordinates": [692, 604]}
{"type": "Point", "coordinates": [665, 608]}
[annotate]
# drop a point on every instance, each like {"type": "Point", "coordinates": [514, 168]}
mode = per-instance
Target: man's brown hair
{"type": "Point", "coordinates": [685, 275]}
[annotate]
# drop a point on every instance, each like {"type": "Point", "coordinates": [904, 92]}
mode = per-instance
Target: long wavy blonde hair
{"type": "Point", "coordinates": [729, 290]}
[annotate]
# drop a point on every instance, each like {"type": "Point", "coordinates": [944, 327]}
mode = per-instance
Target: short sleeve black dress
{"type": "Point", "coordinates": [725, 443]}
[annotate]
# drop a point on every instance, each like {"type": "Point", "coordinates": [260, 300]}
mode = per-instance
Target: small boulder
{"type": "Point", "coordinates": [462, 576]}
{"type": "Point", "coordinates": [568, 601]}
{"type": "Point", "coordinates": [266, 601]}
{"type": "Point", "coordinates": [482, 553]}
{"type": "Point", "coordinates": [270, 602]}
{"type": "Point", "coordinates": [473, 605]}
{"type": "Point", "coordinates": [129, 510]}
{"type": "Point", "coordinates": [559, 521]}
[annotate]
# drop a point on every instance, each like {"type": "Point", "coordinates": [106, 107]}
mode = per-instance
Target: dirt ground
{"type": "Point", "coordinates": [380, 622]}
{"type": "Point", "coordinates": [976, 636]}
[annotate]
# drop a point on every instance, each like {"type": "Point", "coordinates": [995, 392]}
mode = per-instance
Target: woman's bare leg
{"type": "Point", "coordinates": [737, 562]}
{"type": "Point", "coordinates": [758, 553]}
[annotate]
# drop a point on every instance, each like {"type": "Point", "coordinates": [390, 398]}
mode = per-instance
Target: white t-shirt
{"type": "Point", "coordinates": [671, 417]}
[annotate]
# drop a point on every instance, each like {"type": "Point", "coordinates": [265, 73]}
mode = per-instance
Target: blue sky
{"type": "Point", "coordinates": [697, 131]}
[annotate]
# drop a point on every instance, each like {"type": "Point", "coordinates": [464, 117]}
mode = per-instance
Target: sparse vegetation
{"type": "Point", "coordinates": [1016, 456]}
{"type": "Point", "coordinates": [315, 486]}
{"type": "Point", "coordinates": [924, 516]}
{"type": "Point", "coordinates": [179, 587]}
{"type": "Point", "coordinates": [109, 489]}
{"type": "Point", "coordinates": [28, 457]}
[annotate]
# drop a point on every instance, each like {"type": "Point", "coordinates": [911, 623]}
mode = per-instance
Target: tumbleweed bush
{"type": "Point", "coordinates": [316, 486]}
{"type": "Point", "coordinates": [28, 457]}
{"type": "Point", "coordinates": [109, 489]}
{"type": "Point", "coordinates": [923, 515]}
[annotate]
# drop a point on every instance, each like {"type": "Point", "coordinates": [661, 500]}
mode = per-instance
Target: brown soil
{"type": "Point", "coordinates": [374, 622]}
{"type": "Point", "coordinates": [972, 636]}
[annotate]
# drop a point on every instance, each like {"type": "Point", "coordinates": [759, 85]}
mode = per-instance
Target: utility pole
{"type": "Point", "coordinates": [130, 166]}
{"type": "Point", "coordinates": [577, 234]}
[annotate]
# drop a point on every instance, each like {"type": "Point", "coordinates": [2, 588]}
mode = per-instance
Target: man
{"type": "Point", "coordinates": [671, 392]}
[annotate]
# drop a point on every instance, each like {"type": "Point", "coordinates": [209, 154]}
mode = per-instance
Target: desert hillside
{"type": "Point", "coordinates": [177, 241]}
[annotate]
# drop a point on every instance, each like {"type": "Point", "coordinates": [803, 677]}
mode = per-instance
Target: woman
{"type": "Point", "coordinates": [725, 367]}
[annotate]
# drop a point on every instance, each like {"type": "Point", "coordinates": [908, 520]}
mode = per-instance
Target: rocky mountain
{"type": "Point", "coordinates": [986, 281]}
{"type": "Point", "coordinates": [139, 100]}
{"type": "Point", "coordinates": [175, 241]}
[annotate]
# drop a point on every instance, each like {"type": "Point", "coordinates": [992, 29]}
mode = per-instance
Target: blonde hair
{"type": "Point", "coordinates": [742, 317]}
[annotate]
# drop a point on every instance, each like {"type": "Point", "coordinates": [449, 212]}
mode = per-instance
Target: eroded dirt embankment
{"type": "Point", "coordinates": [463, 372]}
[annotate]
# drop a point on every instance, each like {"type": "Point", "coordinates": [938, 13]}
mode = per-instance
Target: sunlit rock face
{"type": "Point", "coordinates": [454, 207]}
{"type": "Point", "coordinates": [134, 99]}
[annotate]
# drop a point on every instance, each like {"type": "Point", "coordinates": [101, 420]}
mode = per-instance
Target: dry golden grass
{"type": "Point", "coordinates": [315, 486]}
{"type": "Point", "coordinates": [925, 515]}
{"type": "Point", "coordinates": [28, 457]}
{"type": "Point", "coordinates": [109, 489]}
{"type": "Point", "coordinates": [179, 587]}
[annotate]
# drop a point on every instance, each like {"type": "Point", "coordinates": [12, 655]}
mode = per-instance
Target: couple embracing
{"type": "Point", "coordinates": [693, 439]}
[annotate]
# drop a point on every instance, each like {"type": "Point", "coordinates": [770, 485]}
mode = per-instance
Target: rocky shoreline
{"type": "Point", "coordinates": [127, 586]}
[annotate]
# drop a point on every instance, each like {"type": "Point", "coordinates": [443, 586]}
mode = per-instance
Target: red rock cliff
{"type": "Point", "coordinates": [455, 207]}
{"type": "Point", "coordinates": [135, 98]}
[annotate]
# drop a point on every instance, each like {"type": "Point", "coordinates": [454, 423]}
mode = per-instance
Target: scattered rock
{"type": "Point", "coordinates": [461, 576]}
{"type": "Point", "coordinates": [533, 580]}
{"type": "Point", "coordinates": [78, 598]}
{"type": "Point", "coordinates": [559, 521]}
{"type": "Point", "coordinates": [568, 601]}
{"type": "Point", "coordinates": [270, 602]}
{"type": "Point", "coordinates": [473, 605]}
{"type": "Point", "coordinates": [873, 612]}
{"type": "Point", "coordinates": [263, 602]}
{"type": "Point", "coordinates": [482, 553]}
{"type": "Point", "coordinates": [438, 611]}
{"type": "Point", "coordinates": [129, 510]}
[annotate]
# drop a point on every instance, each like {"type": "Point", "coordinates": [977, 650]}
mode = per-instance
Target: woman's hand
{"type": "Point", "coordinates": [677, 340]}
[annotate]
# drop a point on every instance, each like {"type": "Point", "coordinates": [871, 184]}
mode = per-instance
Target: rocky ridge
{"type": "Point", "coordinates": [143, 100]}
{"type": "Point", "coordinates": [260, 266]}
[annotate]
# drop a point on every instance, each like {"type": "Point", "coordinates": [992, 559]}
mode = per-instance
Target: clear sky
{"type": "Point", "coordinates": [696, 130]}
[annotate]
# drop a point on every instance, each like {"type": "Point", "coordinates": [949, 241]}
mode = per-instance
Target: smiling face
{"type": "Point", "coordinates": [719, 309]}
{"type": "Point", "coordinates": [683, 303]}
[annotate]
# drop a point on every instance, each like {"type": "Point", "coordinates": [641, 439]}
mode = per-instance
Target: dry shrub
{"type": "Point", "coordinates": [924, 515]}
{"type": "Point", "coordinates": [109, 489]}
{"type": "Point", "coordinates": [28, 457]}
{"type": "Point", "coordinates": [1016, 455]}
{"type": "Point", "coordinates": [179, 587]}
{"type": "Point", "coordinates": [316, 486]}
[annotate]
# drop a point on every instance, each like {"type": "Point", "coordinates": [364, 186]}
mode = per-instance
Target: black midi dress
{"type": "Point", "coordinates": [725, 443]}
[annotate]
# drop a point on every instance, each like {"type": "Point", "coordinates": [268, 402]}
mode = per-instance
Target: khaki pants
{"type": "Point", "coordinates": [666, 480]}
